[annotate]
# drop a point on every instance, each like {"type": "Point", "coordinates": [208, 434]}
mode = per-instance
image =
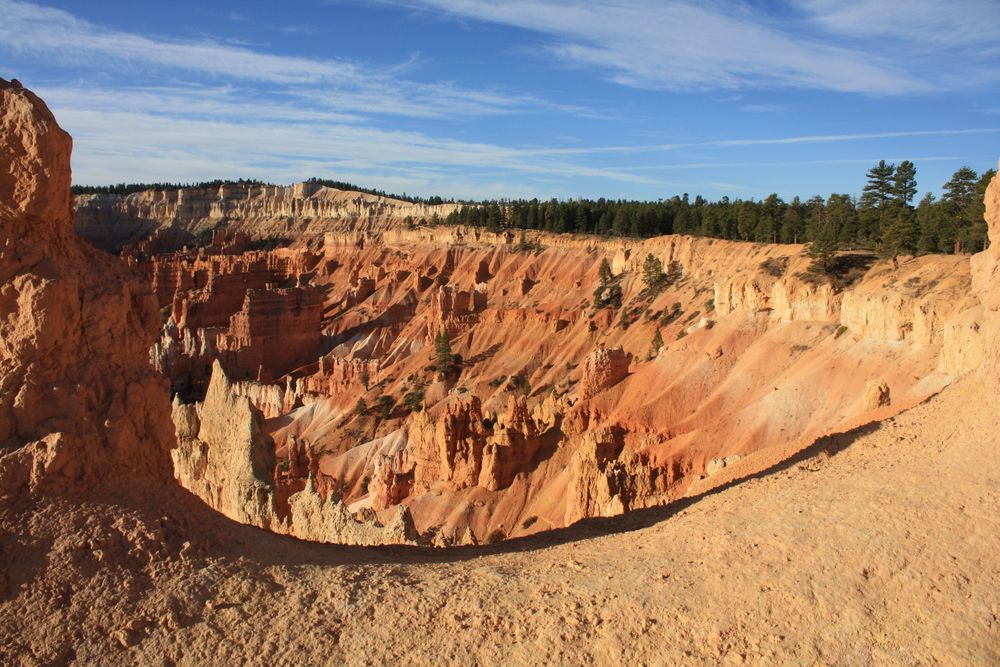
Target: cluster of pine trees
{"type": "Point", "coordinates": [885, 217]}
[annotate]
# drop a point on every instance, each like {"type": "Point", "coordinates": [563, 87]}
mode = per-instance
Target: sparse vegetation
{"type": "Point", "coordinates": [609, 292]}
{"type": "Point", "coordinates": [775, 266]}
{"type": "Point", "coordinates": [652, 274]}
{"type": "Point", "coordinates": [657, 343]}
{"type": "Point", "coordinates": [519, 384]}
{"type": "Point", "coordinates": [414, 398]}
{"type": "Point", "coordinates": [524, 245]}
{"type": "Point", "coordinates": [608, 296]}
{"type": "Point", "coordinates": [385, 407]}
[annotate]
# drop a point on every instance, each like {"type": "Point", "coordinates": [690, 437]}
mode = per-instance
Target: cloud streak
{"type": "Point", "coordinates": [681, 45]}
{"type": "Point", "coordinates": [337, 85]}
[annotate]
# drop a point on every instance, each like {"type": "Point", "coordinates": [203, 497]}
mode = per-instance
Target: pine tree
{"type": "Point", "coordinates": [843, 215]}
{"type": "Point", "coordinates": [900, 235]}
{"type": "Point", "coordinates": [657, 341]}
{"type": "Point", "coordinates": [875, 198]}
{"type": "Point", "coordinates": [961, 188]}
{"type": "Point", "coordinates": [904, 187]}
{"type": "Point", "coordinates": [620, 226]}
{"type": "Point", "coordinates": [959, 193]}
{"type": "Point", "coordinates": [823, 249]}
{"type": "Point", "coordinates": [385, 404]}
{"type": "Point", "coordinates": [815, 217]}
{"type": "Point", "coordinates": [791, 223]}
{"type": "Point", "coordinates": [604, 272]}
{"type": "Point", "coordinates": [442, 349]}
{"type": "Point", "coordinates": [765, 231]}
{"type": "Point", "coordinates": [879, 189]}
{"type": "Point", "coordinates": [928, 224]}
{"type": "Point", "coordinates": [652, 272]}
{"type": "Point", "coordinates": [746, 221]}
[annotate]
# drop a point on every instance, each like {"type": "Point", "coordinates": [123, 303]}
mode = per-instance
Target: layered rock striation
{"type": "Point", "coordinates": [345, 419]}
{"type": "Point", "coordinates": [114, 221]}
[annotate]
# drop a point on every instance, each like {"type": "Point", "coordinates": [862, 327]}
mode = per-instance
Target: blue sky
{"type": "Point", "coordinates": [474, 98]}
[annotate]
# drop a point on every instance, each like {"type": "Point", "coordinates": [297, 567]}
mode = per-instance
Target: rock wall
{"type": "Point", "coordinates": [276, 331]}
{"type": "Point", "coordinates": [986, 282]}
{"type": "Point", "coordinates": [80, 406]}
{"type": "Point", "coordinates": [602, 369]}
{"type": "Point", "coordinates": [111, 221]}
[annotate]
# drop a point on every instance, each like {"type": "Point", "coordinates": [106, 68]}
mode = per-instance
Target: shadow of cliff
{"type": "Point", "coordinates": [265, 548]}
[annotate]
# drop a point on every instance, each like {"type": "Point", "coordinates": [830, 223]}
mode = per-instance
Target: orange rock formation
{"type": "Point", "coordinates": [554, 409]}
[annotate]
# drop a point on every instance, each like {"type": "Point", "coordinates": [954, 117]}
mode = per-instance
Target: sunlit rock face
{"type": "Point", "coordinates": [80, 407]}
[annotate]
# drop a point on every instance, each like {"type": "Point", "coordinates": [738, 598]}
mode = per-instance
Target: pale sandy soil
{"type": "Point", "coordinates": [879, 547]}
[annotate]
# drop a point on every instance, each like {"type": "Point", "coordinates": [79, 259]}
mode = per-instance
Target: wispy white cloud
{"type": "Point", "coordinates": [765, 141]}
{"type": "Point", "coordinates": [685, 45]}
{"type": "Point", "coordinates": [339, 85]}
{"type": "Point", "coordinates": [193, 133]}
{"type": "Point", "coordinates": [764, 108]}
{"type": "Point", "coordinates": [962, 23]}
{"type": "Point", "coordinates": [793, 163]}
{"type": "Point", "coordinates": [864, 136]}
{"type": "Point", "coordinates": [681, 45]}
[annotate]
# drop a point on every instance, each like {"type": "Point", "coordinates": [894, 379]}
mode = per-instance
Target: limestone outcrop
{"type": "Point", "coordinates": [80, 407]}
{"type": "Point", "coordinates": [306, 383]}
{"type": "Point", "coordinates": [986, 281]}
{"type": "Point", "coordinates": [112, 221]}
{"type": "Point", "coordinates": [225, 457]}
{"type": "Point", "coordinates": [604, 368]}
{"type": "Point", "coordinates": [877, 395]}
{"type": "Point", "coordinates": [753, 358]}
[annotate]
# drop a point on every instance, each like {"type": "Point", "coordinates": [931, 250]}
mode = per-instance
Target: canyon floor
{"type": "Point", "coordinates": [873, 547]}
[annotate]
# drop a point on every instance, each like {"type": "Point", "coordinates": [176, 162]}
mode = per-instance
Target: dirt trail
{"type": "Point", "coordinates": [878, 547]}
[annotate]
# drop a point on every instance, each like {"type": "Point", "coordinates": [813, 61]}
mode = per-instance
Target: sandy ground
{"type": "Point", "coordinates": [875, 547]}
